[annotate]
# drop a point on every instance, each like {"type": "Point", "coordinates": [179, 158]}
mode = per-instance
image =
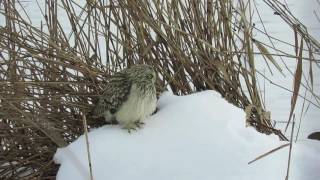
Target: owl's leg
{"type": "Point", "coordinates": [139, 123]}
{"type": "Point", "coordinates": [129, 127]}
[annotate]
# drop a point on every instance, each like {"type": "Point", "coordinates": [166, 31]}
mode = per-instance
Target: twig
{"type": "Point", "coordinates": [269, 152]}
{"type": "Point", "coordinates": [85, 127]}
{"type": "Point", "coordinates": [290, 149]}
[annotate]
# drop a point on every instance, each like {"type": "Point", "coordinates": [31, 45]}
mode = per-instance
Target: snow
{"type": "Point", "coordinates": [199, 136]}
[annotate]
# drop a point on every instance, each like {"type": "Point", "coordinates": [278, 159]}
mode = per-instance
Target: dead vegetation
{"type": "Point", "coordinates": [52, 71]}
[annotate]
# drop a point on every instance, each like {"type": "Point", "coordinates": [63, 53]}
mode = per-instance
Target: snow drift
{"type": "Point", "coordinates": [199, 136]}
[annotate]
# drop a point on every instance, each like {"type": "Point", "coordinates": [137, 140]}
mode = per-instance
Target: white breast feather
{"type": "Point", "coordinates": [136, 108]}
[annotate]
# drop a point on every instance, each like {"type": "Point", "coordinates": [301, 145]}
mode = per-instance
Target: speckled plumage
{"type": "Point", "coordinates": [129, 96]}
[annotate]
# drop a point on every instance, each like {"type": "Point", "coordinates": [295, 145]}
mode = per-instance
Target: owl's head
{"type": "Point", "coordinates": [142, 73]}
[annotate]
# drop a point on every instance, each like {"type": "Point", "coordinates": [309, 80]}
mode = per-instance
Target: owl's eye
{"type": "Point", "coordinates": [149, 76]}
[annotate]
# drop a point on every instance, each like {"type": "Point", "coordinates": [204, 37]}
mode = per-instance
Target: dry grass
{"type": "Point", "coordinates": [51, 74]}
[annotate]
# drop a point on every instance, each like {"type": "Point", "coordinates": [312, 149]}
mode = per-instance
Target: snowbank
{"type": "Point", "coordinates": [200, 136]}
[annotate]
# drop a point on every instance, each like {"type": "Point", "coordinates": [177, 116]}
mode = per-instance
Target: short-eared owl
{"type": "Point", "coordinates": [129, 97]}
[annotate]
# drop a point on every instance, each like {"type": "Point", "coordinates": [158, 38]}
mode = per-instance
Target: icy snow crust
{"type": "Point", "coordinates": [194, 137]}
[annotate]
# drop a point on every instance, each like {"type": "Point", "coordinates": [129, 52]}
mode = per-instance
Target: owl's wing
{"type": "Point", "coordinates": [115, 93]}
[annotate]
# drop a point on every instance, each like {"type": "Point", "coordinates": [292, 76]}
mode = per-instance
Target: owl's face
{"type": "Point", "coordinates": [142, 73]}
{"type": "Point", "coordinates": [150, 75]}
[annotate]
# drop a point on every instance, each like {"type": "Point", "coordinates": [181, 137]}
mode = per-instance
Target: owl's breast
{"type": "Point", "coordinates": [139, 105]}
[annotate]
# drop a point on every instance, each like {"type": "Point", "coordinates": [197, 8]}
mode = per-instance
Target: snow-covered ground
{"type": "Point", "coordinates": [199, 136]}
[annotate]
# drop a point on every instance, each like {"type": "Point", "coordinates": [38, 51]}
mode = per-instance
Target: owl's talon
{"type": "Point", "coordinates": [129, 128]}
{"type": "Point", "coordinates": [129, 131]}
{"type": "Point", "coordinates": [139, 124]}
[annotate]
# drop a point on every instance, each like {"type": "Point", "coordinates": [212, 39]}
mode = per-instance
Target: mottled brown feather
{"type": "Point", "coordinates": [115, 93]}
